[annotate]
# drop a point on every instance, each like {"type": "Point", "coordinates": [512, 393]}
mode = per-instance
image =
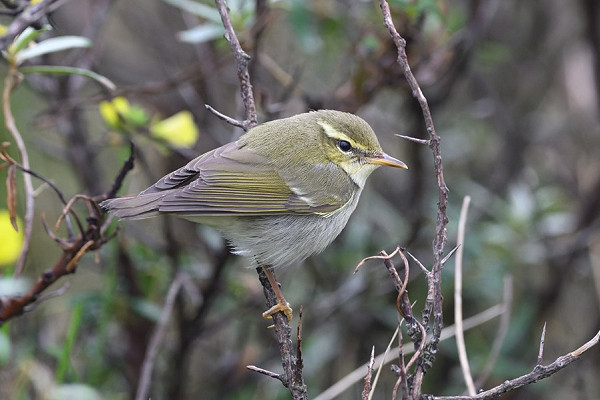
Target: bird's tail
{"type": "Point", "coordinates": [138, 207]}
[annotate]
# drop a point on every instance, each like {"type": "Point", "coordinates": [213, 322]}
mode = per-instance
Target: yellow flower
{"type": "Point", "coordinates": [12, 241]}
{"type": "Point", "coordinates": [178, 130]}
{"type": "Point", "coordinates": [110, 111]}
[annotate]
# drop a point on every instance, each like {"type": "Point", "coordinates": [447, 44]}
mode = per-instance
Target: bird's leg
{"type": "Point", "coordinates": [282, 304]}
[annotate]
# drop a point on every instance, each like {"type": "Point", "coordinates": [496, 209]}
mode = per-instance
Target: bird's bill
{"type": "Point", "coordinates": [384, 159]}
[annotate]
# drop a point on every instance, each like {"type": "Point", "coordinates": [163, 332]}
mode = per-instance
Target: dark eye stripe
{"type": "Point", "coordinates": [344, 145]}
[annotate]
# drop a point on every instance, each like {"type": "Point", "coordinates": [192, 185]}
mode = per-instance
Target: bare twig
{"type": "Point", "coordinates": [242, 60]}
{"type": "Point", "coordinates": [414, 139]}
{"type": "Point", "coordinates": [366, 393]}
{"type": "Point", "coordinates": [397, 332]}
{"type": "Point", "coordinates": [538, 373]}
{"type": "Point", "coordinates": [355, 376]}
{"type": "Point", "coordinates": [540, 357]}
{"type": "Point", "coordinates": [157, 338]}
{"type": "Point", "coordinates": [229, 120]}
{"type": "Point", "coordinates": [47, 296]}
{"type": "Point", "coordinates": [11, 307]}
{"type": "Point", "coordinates": [11, 81]}
{"type": "Point", "coordinates": [291, 377]}
{"type": "Point", "coordinates": [292, 364]}
{"type": "Point", "coordinates": [268, 373]}
{"type": "Point", "coordinates": [381, 256]}
{"type": "Point", "coordinates": [433, 303]}
{"type": "Point", "coordinates": [92, 238]}
{"type": "Point", "coordinates": [420, 264]}
{"type": "Point", "coordinates": [458, 315]}
{"type": "Point", "coordinates": [127, 166]}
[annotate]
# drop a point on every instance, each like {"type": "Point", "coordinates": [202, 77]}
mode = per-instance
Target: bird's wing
{"type": "Point", "coordinates": [233, 180]}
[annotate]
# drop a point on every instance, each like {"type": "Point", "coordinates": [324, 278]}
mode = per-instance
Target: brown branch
{"type": "Point", "coordinates": [242, 60]}
{"type": "Point", "coordinates": [433, 304]}
{"type": "Point", "coordinates": [74, 247]}
{"type": "Point", "coordinates": [538, 373]}
{"type": "Point", "coordinates": [127, 166]}
{"type": "Point", "coordinates": [358, 374]}
{"type": "Point", "coordinates": [292, 375]}
{"type": "Point", "coordinates": [14, 306]}
{"type": "Point", "coordinates": [292, 364]}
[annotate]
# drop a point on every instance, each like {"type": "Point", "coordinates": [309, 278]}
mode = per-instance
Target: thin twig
{"type": "Point", "coordinates": [242, 60]}
{"type": "Point", "coordinates": [358, 374]}
{"type": "Point", "coordinates": [414, 139]}
{"type": "Point", "coordinates": [265, 372]}
{"type": "Point", "coordinates": [540, 356]}
{"type": "Point", "coordinates": [10, 82]}
{"type": "Point", "coordinates": [157, 338]}
{"type": "Point", "coordinates": [433, 304]}
{"type": "Point", "coordinates": [538, 373]}
{"type": "Point", "coordinates": [229, 120]}
{"type": "Point", "coordinates": [458, 315]}
{"type": "Point", "coordinates": [366, 393]}
{"type": "Point", "coordinates": [127, 166]}
{"type": "Point", "coordinates": [47, 296]}
{"type": "Point", "coordinates": [291, 378]}
{"type": "Point", "coordinates": [382, 256]}
{"type": "Point", "coordinates": [420, 264]}
{"type": "Point", "coordinates": [6, 157]}
{"type": "Point", "coordinates": [380, 367]}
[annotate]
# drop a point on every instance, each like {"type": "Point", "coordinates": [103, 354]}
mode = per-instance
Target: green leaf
{"type": "Point", "coordinates": [5, 347]}
{"type": "Point", "coordinates": [60, 70]}
{"type": "Point", "coordinates": [72, 330]}
{"type": "Point", "coordinates": [26, 37]}
{"type": "Point", "coordinates": [146, 309]}
{"type": "Point", "coordinates": [199, 9]}
{"type": "Point", "coordinates": [202, 33]}
{"type": "Point", "coordinates": [77, 391]}
{"type": "Point", "coordinates": [13, 287]}
{"type": "Point", "coordinates": [52, 45]}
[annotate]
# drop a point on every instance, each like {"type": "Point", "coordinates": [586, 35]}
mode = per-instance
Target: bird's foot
{"type": "Point", "coordinates": [282, 306]}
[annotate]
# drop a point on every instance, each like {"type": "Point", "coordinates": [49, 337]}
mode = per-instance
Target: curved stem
{"type": "Point", "coordinates": [10, 82]}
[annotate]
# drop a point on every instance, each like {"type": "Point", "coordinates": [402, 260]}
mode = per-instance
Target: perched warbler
{"type": "Point", "coordinates": [280, 193]}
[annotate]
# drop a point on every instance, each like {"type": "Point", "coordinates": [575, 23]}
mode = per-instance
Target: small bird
{"type": "Point", "coordinates": [280, 193]}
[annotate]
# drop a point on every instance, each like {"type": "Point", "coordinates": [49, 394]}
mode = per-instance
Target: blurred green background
{"type": "Point", "coordinates": [513, 88]}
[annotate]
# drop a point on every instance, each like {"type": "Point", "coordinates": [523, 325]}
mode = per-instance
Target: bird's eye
{"type": "Point", "coordinates": [344, 145]}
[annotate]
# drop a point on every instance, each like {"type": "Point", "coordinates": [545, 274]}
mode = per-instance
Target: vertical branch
{"type": "Point", "coordinates": [242, 59]}
{"type": "Point", "coordinates": [435, 298]}
{"type": "Point", "coordinates": [458, 314]}
{"type": "Point", "coordinates": [11, 81]}
{"type": "Point", "coordinates": [291, 363]}
{"type": "Point", "coordinates": [292, 368]}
